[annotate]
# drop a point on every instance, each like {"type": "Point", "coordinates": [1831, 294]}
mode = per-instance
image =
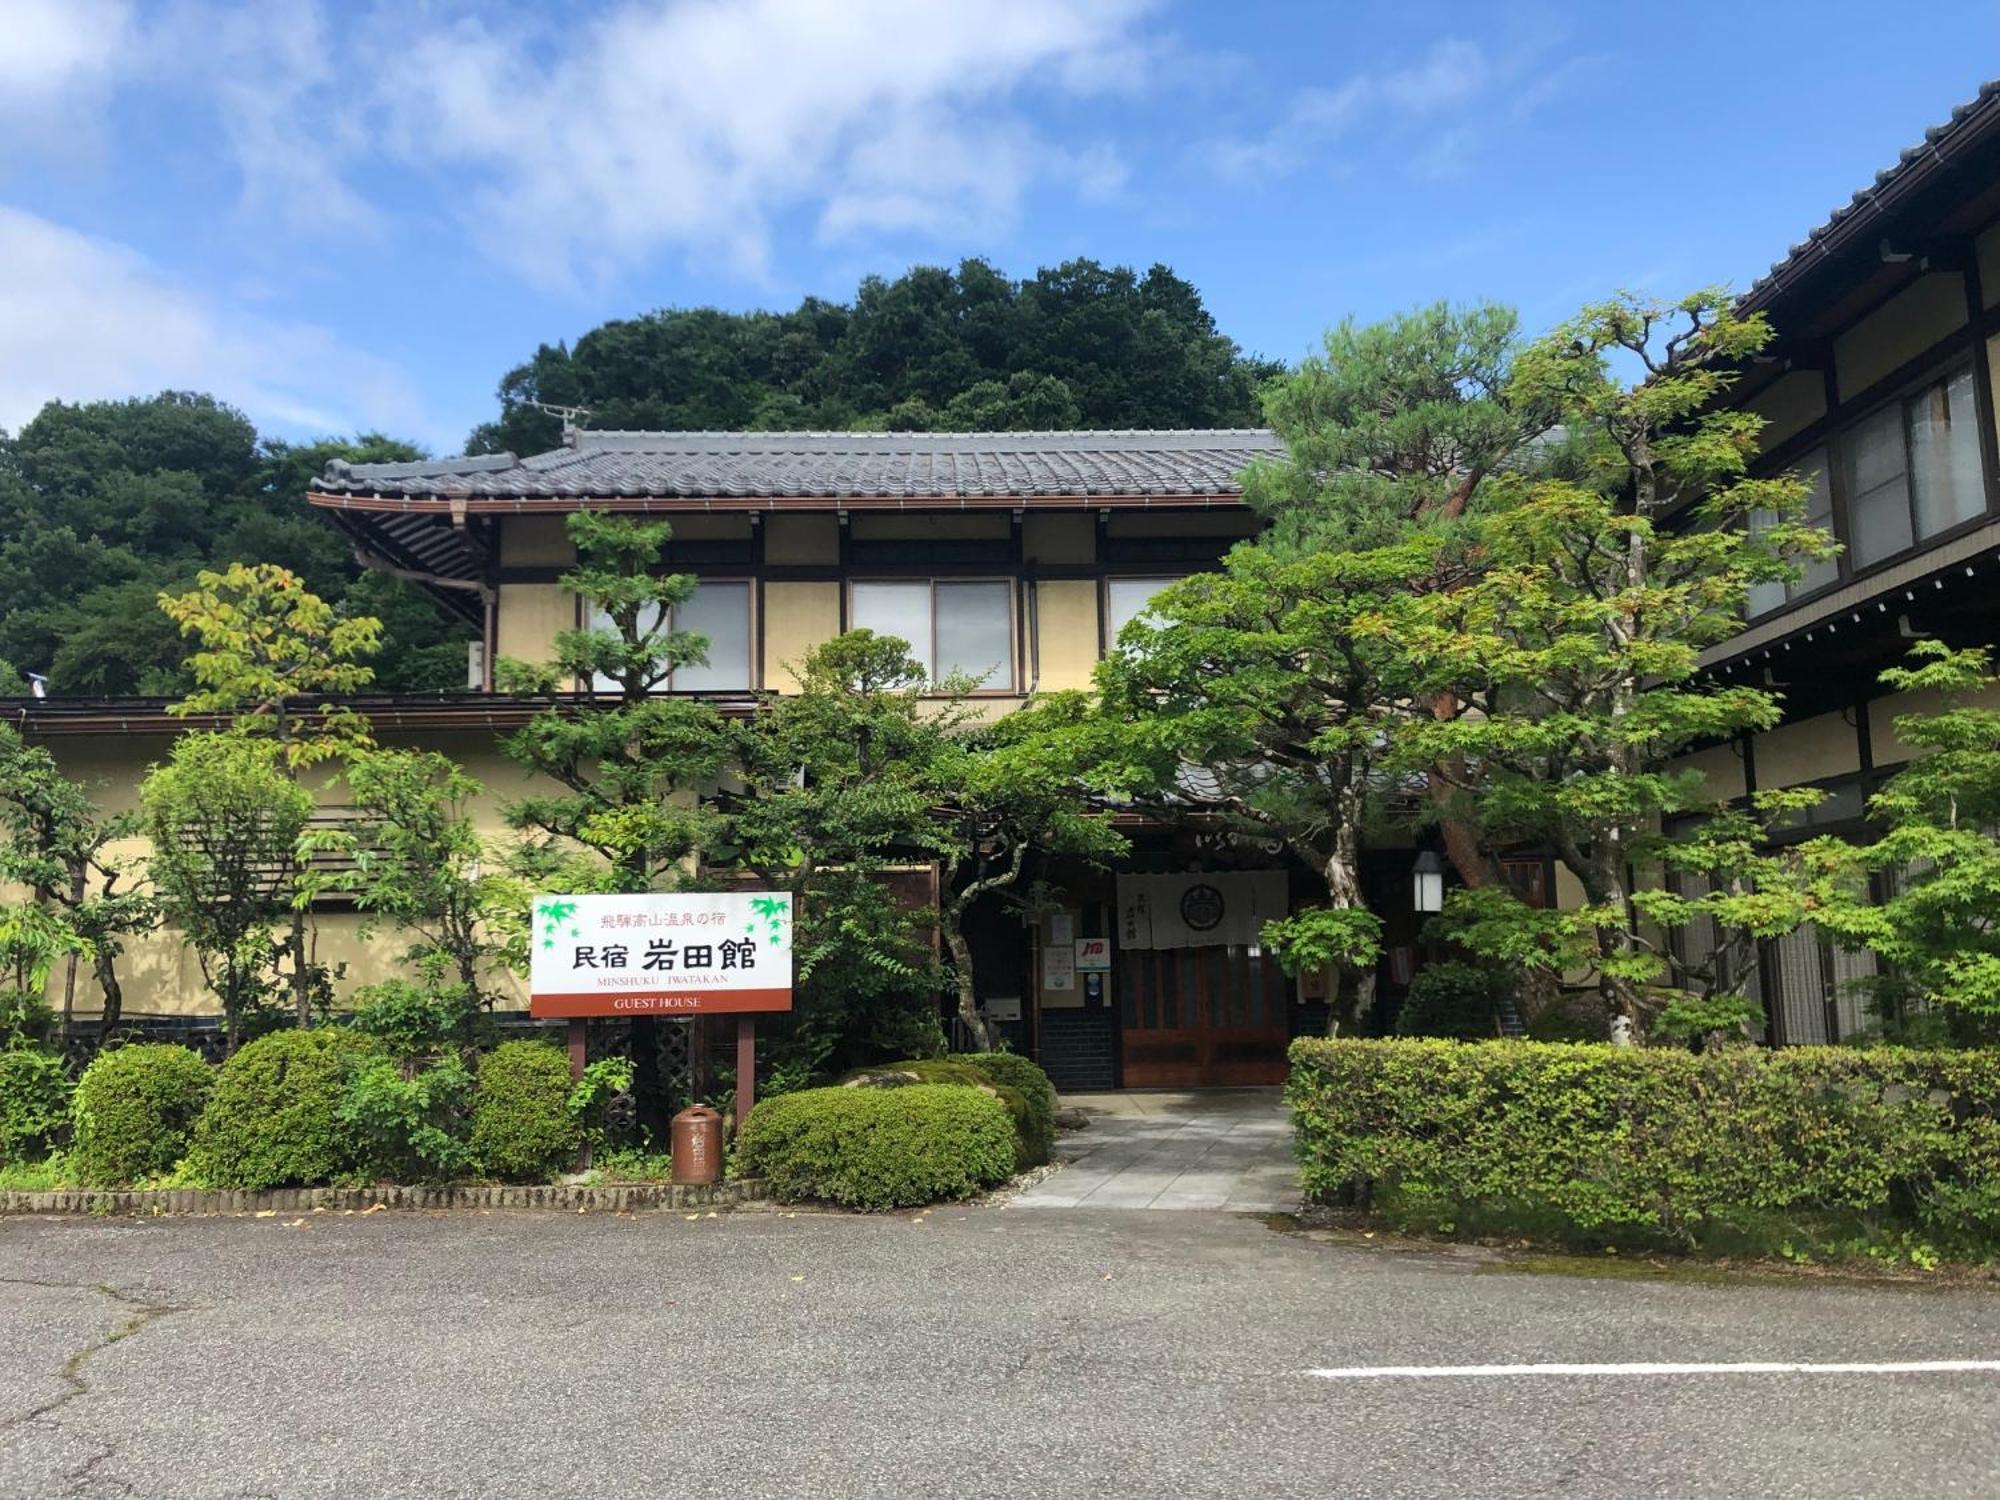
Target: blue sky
{"type": "Point", "coordinates": [342, 215]}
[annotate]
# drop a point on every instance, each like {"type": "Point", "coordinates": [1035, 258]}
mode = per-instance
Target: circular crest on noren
{"type": "Point", "coordinates": [1202, 907]}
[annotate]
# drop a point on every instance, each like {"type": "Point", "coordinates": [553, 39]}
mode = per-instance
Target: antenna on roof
{"type": "Point", "coordinates": [572, 418]}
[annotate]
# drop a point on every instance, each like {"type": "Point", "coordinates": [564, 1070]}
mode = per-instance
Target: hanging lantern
{"type": "Point", "coordinates": [1427, 878]}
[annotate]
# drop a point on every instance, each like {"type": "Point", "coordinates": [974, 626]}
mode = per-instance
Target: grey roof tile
{"type": "Point", "coordinates": [912, 465]}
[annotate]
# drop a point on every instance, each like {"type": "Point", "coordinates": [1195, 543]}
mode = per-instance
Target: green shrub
{"type": "Point", "coordinates": [1034, 1128]}
{"type": "Point", "coordinates": [135, 1111]}
{"type": "Point", "coordinates": [1011, 1070]}
{"type": "Point", "coordinates": [34, 1101]}
{"type": "Point", "coordinates": [1454, 999]}
{"type": "Point", "coordinates": [274, 1117]}
{"type": "Point", "coordinates": [408, 1124]}
{"type": "Point", "coordinates": [522, 1128]}
{"type": "Point", "coordinates": [1734, 1147]}
{"type": "Point", "coordinates": [879, 1147]}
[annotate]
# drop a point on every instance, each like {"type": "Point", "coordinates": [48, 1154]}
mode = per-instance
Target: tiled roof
{"type": "Point", "coordinates": [1969, 123]}
{"type": "Point", "coordinates": [833, 465]}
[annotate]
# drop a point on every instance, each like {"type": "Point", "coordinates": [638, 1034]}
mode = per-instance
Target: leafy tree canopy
{"type": "Point", "coordinates": [1075, 345]}
{"type": "Point", "coordinates": [104, 505]}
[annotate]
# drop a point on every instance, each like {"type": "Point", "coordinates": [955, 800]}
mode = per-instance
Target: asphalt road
{"type": "Point", "coordinates": [979, 1352]}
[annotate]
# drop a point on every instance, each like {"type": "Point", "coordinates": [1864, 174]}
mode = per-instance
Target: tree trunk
{"type": "Point", "coordinates": [301, 991]}
{"type": "Point", "coordinates": [976, 1025]}
{"type": "Point", "coordinates": [1344, 893]}
{"type": "Point", "coordinates": [1462, 846]}
{"type": "Point", "coordinates": [114, 993]}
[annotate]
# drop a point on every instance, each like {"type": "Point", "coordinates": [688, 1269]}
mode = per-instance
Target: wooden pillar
{"type": "Point", "coordinates": [578, 1048]}
{"type": "Point", "coordinates": [746, 1069]}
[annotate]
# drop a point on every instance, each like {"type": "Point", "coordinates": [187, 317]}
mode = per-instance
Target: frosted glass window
{"type": "Point", "coordinates": [1819, 512]}
{"type": "Point", "coordinates": [649, 617]}
{"type": "Point", "coordinates": [902, 610]}
{"type": "Point", "coordinates": [975, 633]}
{"type": "Point", "coordinates": [1944, 455]}
{"type": "Point", "coordinates": [1125, 599]}
{"type": "Point", "coordinates": [718, 611]}
{"type": "Point", "coordinates": [950, 627]}
{"type": "Point", "coordinates": [1878, 487]}
{"type": "Point", "coordinates": [721, 612]}
{"type": "Point", "coordinates": [1766, 597]}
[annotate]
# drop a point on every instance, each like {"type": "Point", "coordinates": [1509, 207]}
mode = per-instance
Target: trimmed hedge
{"type": "Point", "coordinates": [1734, 1147]}
{"type": "Point", "coordinates": [135, 1110]}
{"type": "Point", "coordinates": [879, 1147]}
{"type": "Point", "coordinates": [274, 1118]}
{"type": "Point", "coordinates": [522, 1130]}
{"type": "Point", "coordinates": [1011, 1070]}
{"type": "Point", "coordinates": [1454, 999]}
{"type": "Point", "coordinates": [1034, 1132]}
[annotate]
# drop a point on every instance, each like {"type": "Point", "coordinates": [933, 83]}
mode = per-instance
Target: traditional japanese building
{"type": "Point", "coordinates": [1879, 389]}
{"type": "Point", "coordinates": [1016, 557]}
{"type": "Point", "coordinates": [1013, 557]}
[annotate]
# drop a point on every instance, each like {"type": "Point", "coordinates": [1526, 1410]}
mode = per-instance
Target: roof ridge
{"type": "Point", "coordinates": [1846, 218]}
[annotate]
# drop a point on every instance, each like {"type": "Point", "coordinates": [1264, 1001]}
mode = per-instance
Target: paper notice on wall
{"type": "Point", "coordinates": [1059, 968]}
{"type": "Point", "coordinates": [1062, 928]}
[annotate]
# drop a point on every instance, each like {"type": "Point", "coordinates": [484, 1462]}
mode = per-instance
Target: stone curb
{"type": "Point", "coordinates": [621, 1197]}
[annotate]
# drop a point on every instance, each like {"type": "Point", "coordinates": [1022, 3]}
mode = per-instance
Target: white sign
{"type": "Point", "coordinates": [1001, 1007]}
{"type": "Point", "coordinates": [1093, 955]}
{"type": "Point", "coordinates": [1199, 910]}
{"type": "Point", "coordinates": [659, 954]}
{"type": "Point", "coordinates": [1058, 969]}
{"type": "Point", "coordinates": [1062, 928]}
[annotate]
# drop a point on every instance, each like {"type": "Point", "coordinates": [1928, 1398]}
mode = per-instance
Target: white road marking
{"type": "Point", "coordinates": [1747, 1367]}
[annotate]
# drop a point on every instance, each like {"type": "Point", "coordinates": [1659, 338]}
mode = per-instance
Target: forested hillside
{"type": "Point", "coordinates": [105, 504]}
{"type": "Point", "coordinates": [1075, 345]}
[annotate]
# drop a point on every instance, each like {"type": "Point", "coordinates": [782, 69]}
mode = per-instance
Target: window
{"type": "Point", "coordinates": [1944, 455]}
{"type": "Point", "coordinates": [1912, 470]}
{"type": "Point", "coordinates": [952, 627]}
{"type": "Point", "coordinates": [1125, 599]}
{"type": "Point", "coordinates": [719, 612]}
{"type": "Point", "coordinates": [1819, 512]}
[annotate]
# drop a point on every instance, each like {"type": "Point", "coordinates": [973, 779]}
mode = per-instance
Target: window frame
{"type": "Point", "coordinates": [932, 581]}
{"type": "Point", "coordinates": [752, 602]}
{"type": "Point", "coordinates": [1107, 637]}
{"type": "Point", "coordinates": [1943, 367]}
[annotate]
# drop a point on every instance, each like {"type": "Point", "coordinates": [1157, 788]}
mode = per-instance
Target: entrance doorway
{"type": "Point", "coordinates": [1202, 1018]}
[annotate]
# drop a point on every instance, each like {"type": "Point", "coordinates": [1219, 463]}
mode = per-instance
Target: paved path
{"type": "Point", "coordinates": [962, 1354]}
{"type": "Point", "coordinates": [1214, 1149]}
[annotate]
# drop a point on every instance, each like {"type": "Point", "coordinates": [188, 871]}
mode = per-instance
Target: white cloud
{"type": "Point", "coordinates": [55, 46]}
{"type": "Point", "coordinates": [692, 125]}
{"type": "Point", "coordinates": [58, 60]}
{"type": "Point", "coordinates": [1451, 77]}
{"type": "Point", "coordinates": [84, 319]}
{"type": "Point", "coordinates": [292, 122]}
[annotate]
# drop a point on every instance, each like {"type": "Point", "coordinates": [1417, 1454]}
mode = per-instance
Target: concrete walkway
{"type": "Point", "coordinates": [1216, 1149]}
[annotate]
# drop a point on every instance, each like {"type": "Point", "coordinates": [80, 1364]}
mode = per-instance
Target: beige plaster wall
{"type": "Point", "coordinates": [1883, 743]}
{"type": "Point", "coordinates": [1066, 629]}
{"type": "Point", "coordinates": [535, 542]}
{"type": "Point", "coordinates": [529, 616]}
{"type": "Point", "coordinates": [802, 541]}
{"type": "Point", "coordinates": [797, 617]}
{"type": "Point", "coordinates": [1809, 750]}
{"type": "Point", "coordinates": [1059, 537]}
{"type": "Point", "coordinates": [1790, 404]}
{"type": "Point", "coordinates": [1721, 769]}
{"type": "Point", "coordinates": [1899, 330]}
